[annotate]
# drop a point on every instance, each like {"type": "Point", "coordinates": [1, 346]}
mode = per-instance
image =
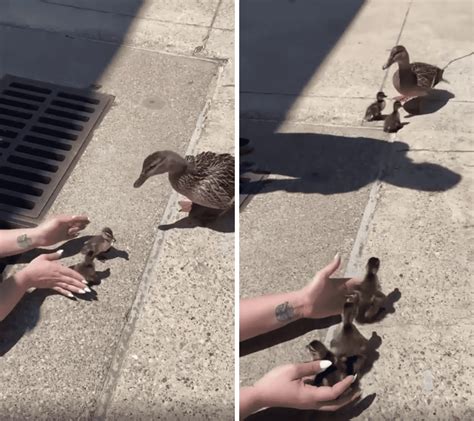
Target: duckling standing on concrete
{"type": "Point", "coordinates": [333, 374]}
{"type": "Point", "coordinates": [98, 245]}
{"type": "Point", "coordinates": [349, 346]}
{"type": "Point", "coordinates": [86, 268]}
{"type": "Point", "coordinates": [374, 110]}
{"type": "Point", "coordinates": [371, 298]}
{"type": "Point", "coordinates": [392, 123]}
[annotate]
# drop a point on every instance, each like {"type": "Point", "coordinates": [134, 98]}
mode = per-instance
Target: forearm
{"type": "Point", "coordinates": [16, 241]}
{"type": "Point", "coordinates": [12, 290]}
{"type": "Point", "coordinates": [249, 402]}
{"type": "Point", "coordinates": [263, 314]}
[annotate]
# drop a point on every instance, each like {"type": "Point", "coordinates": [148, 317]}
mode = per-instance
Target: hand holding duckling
{"type": "Point", "coordinates": [288, 386]}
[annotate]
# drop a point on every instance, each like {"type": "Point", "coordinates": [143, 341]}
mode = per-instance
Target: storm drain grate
{"type": "Point", "coordinates": [44, 128]}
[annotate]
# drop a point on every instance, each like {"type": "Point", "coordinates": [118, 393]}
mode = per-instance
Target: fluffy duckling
{"type": "Point", "coordinates": [349, 346]}
{"type": "Point", "coordinates": [371, 298]}
{"type": "Point", "coordinates": [374, 110]}
{"type": "Point", "coordinates": [86, 268]}
{"type": "Point", "coordinates": [412, 79]}
{"type": "Point", "coordinates": [99, 244]}
{"type": "Point", "coordinates": [206, 179]}
{"type": "Point", "coordinates": [392, 123]}
{"type": "Point", "coordinates": [333, 374]}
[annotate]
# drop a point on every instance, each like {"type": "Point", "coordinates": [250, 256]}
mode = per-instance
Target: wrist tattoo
{"type": "Point", "coordinates": [284, 312]}
{"type": "Point", "coordinates": [24, 241]}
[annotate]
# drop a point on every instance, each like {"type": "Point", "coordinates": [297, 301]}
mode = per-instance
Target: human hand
{"type": "Point", "coordinates": [325, 296]}
{"type": "Point", "coordinates": [288, 386]}
{"type": "Point", "coordinates": [46, 272]}
{"type": "Point", "coordinates": [60, 228]}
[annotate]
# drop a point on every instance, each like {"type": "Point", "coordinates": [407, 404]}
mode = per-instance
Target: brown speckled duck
{"type": "Point", "coordinates": [206, 179]}
{"type": "Point", "coordinates": [374, 110]}
{"type": "Point", "coordinates": [412, 79]}
{"type": "Point", "coordinates": [100, 244]}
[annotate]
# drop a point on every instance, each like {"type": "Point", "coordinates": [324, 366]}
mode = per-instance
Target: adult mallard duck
{"type": "Point", "coordinates": [206, 179]}
{"type": "Point", "coordinates": [412, 79]}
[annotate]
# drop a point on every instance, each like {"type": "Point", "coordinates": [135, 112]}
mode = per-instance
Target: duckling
{"type": "Point", "coordinates": [374, 110]}
{"type": "Point", "coordinates": [349, 346]}
{"type": "Point", "coordinates": [392, 123]}
{"type": "Point", "coordinates": [333, 374]}
{"type": "Point", "coordinates": [99, 244]}
{"type": "Point", "coordinates": [206, 179]}
{"type": "Point", "coordinates": [87, 267]}
{"type": "Point", "coordinates": [371, 298]}
{"type": "Point", "coordinates": [412, 79]}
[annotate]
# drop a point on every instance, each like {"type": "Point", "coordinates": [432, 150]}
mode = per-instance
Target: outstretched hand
{"type": "Point", "coordinates": [60, 228]}
{"type": "Point", "coordinates": [325, 296]}
{"type": "Point", "coordinates": [289, 386]}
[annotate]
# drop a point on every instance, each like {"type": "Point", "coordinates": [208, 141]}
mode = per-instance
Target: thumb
{"type": "Point", "coordinates": [53, 256]}
{"type": "Point", "coordinates": [311, 368]}
{"type": "Point", "coordinates": [331, 267]}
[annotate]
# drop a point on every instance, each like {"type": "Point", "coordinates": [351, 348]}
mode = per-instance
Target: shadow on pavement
{"type": "Point", "coordinates": [327, 164]}
{"type": "Point", "coordinates": [285, 333]}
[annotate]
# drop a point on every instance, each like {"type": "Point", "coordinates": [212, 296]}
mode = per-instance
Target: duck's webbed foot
{"type": "Point", "coordinates": [185, 206]}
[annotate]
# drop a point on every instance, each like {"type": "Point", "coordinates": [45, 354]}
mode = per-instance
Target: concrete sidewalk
{"type": "Point", "coordinates": [155, 343]}
{"type": "Point", "coordinates": [343, 185]}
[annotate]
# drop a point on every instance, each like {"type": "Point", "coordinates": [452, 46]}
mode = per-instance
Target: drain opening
{"type": "Point", "coordinates": [44, 128]}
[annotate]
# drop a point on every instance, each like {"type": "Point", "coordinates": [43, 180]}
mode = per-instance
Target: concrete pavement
{"type": "Point", "coordinates": [343, 185]}
{"type": "Point", "coordinates": [154, 343]}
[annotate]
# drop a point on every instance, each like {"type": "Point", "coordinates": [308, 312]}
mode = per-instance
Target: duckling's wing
{"type": "Point", "coordinates": [427, 75]}
{"type": "Point", "coordinates": [372, 111]}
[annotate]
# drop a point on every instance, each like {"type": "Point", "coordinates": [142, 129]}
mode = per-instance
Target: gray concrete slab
{"type": "Point", "coordinates": [296, 224]}
{"type": "Point", "coordinates": [417, 218]}
{"type": "Point", "coordinates": [186, 12]}
{"type": "Point", "coordinates": [59, 352]}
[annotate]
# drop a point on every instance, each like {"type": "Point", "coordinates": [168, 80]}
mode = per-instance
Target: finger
{"type": "Point", "coordinates": [331, 267]}
{"type": "Point", "coordinates": [353, 283]}
{"type": "Point", "coordinates": [329, 393]}
{"type": "Point", "coordinates": [310, 368]}
{"type": "Point", "coordinates": [338, 403]}
{"type": "Point", "coordinates": [73, 232]}
{"type": "Point", "coordinates": [80, 220]}
{"type": "Point", "coordinates": [64, 292]}
{"type": "Point", "coordinates": [73, 287]}
{"type": "Point", "coordinates": [53, 256]}
{"type": "Point", "coordinates": [70, 273]}
{"type": "Point", "coordinates": [73, 282]}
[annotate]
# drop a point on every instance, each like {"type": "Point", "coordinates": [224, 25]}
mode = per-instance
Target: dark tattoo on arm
{"type": "Point", "coordinates": [24, 241]}
{"type": "Point", "coordinates": [284, 312]}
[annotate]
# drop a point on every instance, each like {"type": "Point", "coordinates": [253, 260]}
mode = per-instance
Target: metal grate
{"type": "Point", "coordinates": [44, 128]}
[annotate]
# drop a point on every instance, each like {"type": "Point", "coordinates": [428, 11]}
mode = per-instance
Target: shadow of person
{"type": "Point", "coordinates": [285, 333]}
{"type": "Point", "coordinates": [429, 104]}
{"type": "Point", "coordinates": [26, 315]}
{"type": "Point", "coordinates": [328, 164]}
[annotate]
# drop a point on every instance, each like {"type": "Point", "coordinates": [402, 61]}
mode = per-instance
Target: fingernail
{"type": "Point", "coordinates": [323, 364]}
{"type": "Point", "coordinates": [355, 378]}
{"type": "Point", "coordinates": [87, 289]}
{"type": "Point", "coordinates": [81, 291]}
{"type": "Point", "coordinates": [85, 282]}
{"type": "Point", "coordinates": [70, 295]}
{"type": "Point", "coordinates": [60, 252]}
{"type": "Point", "coordinates": [337, 256]}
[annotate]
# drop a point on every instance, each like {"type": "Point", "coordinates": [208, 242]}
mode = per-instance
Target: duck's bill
{"type": "Point", "coordinates": [139, 181]}
{"type": "Point", "coordinates": [386, 65]}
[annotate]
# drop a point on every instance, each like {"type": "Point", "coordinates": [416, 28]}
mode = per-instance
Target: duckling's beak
{"type": "Point", "coordinates": [140, 180]}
